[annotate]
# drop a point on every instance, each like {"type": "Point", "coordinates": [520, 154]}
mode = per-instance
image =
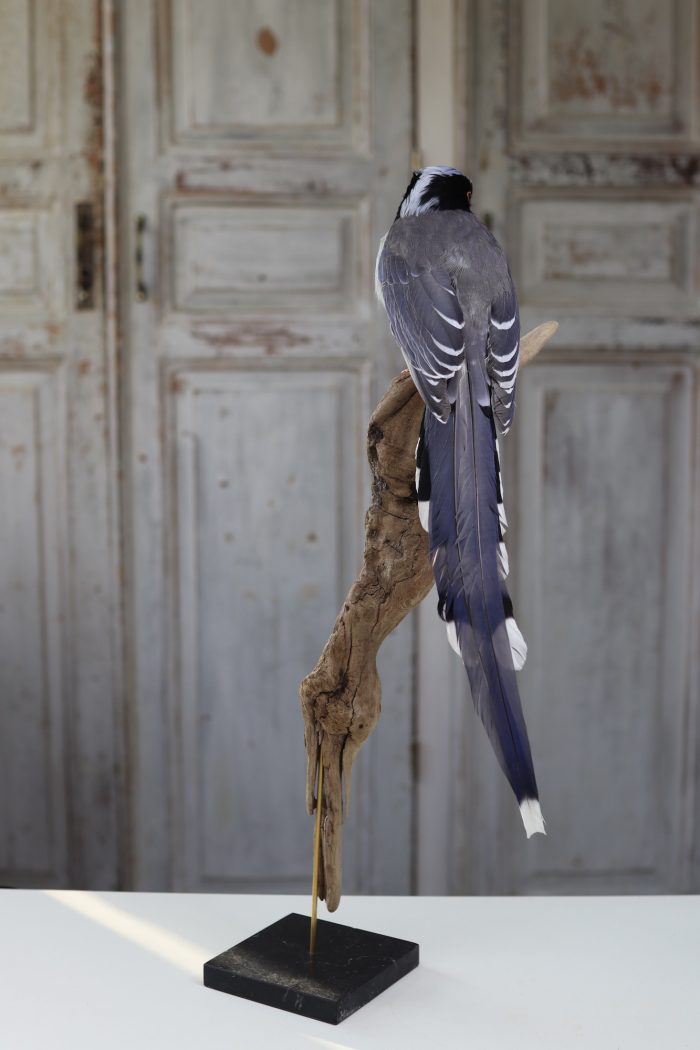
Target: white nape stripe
{"type": "Point", "coordinates": [504, 358]}
{"type": "Point", "coordinates": [452, 636]}
{"type": "Point", "coordinates": [532, 817]}
{"type": "Point", "coordinates": [447, 349]}
{"type": "Point", "coordinates": [503, 326]}
{"type": "Point", "coordinates": [455, 324]}
{"type": "Point", "coordinates": [518, 645]}
{"type": "Point", "coordinates": [412, 205]}
{"type": "Point", "coordinates": [424, 513]}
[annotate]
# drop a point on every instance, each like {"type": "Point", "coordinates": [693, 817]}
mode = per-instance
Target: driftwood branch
{"type": "Point", "coordinates": [341, 698]}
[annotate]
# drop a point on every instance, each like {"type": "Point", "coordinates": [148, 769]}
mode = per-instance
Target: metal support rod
{"type": "Point", "coordinates": [317, 856]}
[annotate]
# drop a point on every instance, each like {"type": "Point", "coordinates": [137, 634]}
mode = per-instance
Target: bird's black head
{"type": "Point", "coordinates": [436, 189]}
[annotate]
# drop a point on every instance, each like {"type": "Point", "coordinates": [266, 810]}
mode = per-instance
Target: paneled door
{"type": "Point", "coordinates": [265, 145]}
{"type": "Point", "coordinates": [584, 144]}
{"type": "Point", "coordinates": [59, 642]}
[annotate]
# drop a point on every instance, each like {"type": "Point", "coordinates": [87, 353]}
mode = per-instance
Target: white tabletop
{"type": "Point", "coordinates": [123, 970]}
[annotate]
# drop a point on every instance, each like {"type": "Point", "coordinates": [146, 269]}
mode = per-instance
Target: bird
{"type": "Point", "coordinates": [446, 286]}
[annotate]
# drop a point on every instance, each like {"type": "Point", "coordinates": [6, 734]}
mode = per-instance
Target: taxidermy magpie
{"type": "Point", "coordinates": [446, 287]}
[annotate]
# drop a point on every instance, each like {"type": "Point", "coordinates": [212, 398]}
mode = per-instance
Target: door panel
{"type": "Point", "coordinates": [580, 111]}
{"type": "Point", "coordinates": [288, 553]}
{"type": "Point", "coordinates": [33, 845]}
{"type": "Point", "coordinates": [593, 251]}
{"type": "Point", "coordinates": [286, 258]}
{"type": "Point", "coordinates": [266, 174]}
{"type": "Point", "coordinates": [603, 76]}
{"type": "Point", "coordinates": [276, 72]}
{"type": "Point", "coordinates": [604, 503]}
{"type": "Point", "coordinates": [59, 603]}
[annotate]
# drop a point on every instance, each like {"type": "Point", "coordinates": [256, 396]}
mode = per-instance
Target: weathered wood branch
{"type": "Point", "coordinates": [341, 698]}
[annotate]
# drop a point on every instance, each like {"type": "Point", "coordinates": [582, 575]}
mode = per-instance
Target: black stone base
{"type": "Point", "coordinates": [349, 968]}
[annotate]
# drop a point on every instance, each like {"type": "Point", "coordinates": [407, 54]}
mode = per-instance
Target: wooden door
{"type": "Point", "coordinates": [583, 146]}
{"type": "Point", "coordinates": [265, 145]}
{"type": "Point", "coordinates": [59, 642]}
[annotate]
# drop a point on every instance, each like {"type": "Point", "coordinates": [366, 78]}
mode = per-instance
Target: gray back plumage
{"type": "Point", "coordinates": [453, 250]}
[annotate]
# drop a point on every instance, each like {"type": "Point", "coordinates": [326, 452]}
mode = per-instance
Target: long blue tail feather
{"type": "Point", "coordinates": [464, 534]}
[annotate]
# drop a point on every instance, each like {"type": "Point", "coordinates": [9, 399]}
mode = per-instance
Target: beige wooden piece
{"type": "Point", "coordinates": [341, 698]}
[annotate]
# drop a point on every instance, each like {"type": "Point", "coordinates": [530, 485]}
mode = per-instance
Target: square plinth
{"type": "Point", "coordinates": [350, 967]}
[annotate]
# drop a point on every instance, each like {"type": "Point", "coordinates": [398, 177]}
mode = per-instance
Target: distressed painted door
{"type": "Point", "coordinates": [59, 653]}
{"type": "Point", "coordinates": [584, 143]}
{"type": "Point", "coordinates": [264, 144]}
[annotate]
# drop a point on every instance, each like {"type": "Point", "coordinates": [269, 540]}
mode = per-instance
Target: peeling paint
{"type": "Point", "coordinates": [92, 94]}
{"type": "Point", "coordinates": [269, 339]}
{"type": "Point", "coordinates": [267, 41]}
{"type": "Point", "coordinates": [600, 54]}
{"type": "Point", "coordinates": [601, 169]}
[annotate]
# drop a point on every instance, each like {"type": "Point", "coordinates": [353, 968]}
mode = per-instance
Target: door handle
{"type": "Point", "coordinates": [141, 290]}
{"type": "Point", "coordinates": [84, 256]}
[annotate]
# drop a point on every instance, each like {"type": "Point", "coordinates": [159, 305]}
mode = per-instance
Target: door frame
{"type": "Point", "coordinates": [441, 136]}
{"type": "Point", "coordinates": [108, 43]}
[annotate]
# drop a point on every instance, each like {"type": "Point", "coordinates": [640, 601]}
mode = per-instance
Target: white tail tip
{"type": "Point", "coordinates": [452, 636]}
{"type": "Point", "coordinates": [518, 645]}
{"type": "Point", "coordinates": [532, 817]}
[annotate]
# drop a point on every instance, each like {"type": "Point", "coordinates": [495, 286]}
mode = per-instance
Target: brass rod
{"type": "Point", "coordinates": [317, 856]}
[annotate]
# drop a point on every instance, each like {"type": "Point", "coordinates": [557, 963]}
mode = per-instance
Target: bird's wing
{"type": "Point", "coordinates": [426, 321]}
{"type": "Point", "coordinates": [502, 356]}
{"type": "Point", "coordinates": [454, 353]}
